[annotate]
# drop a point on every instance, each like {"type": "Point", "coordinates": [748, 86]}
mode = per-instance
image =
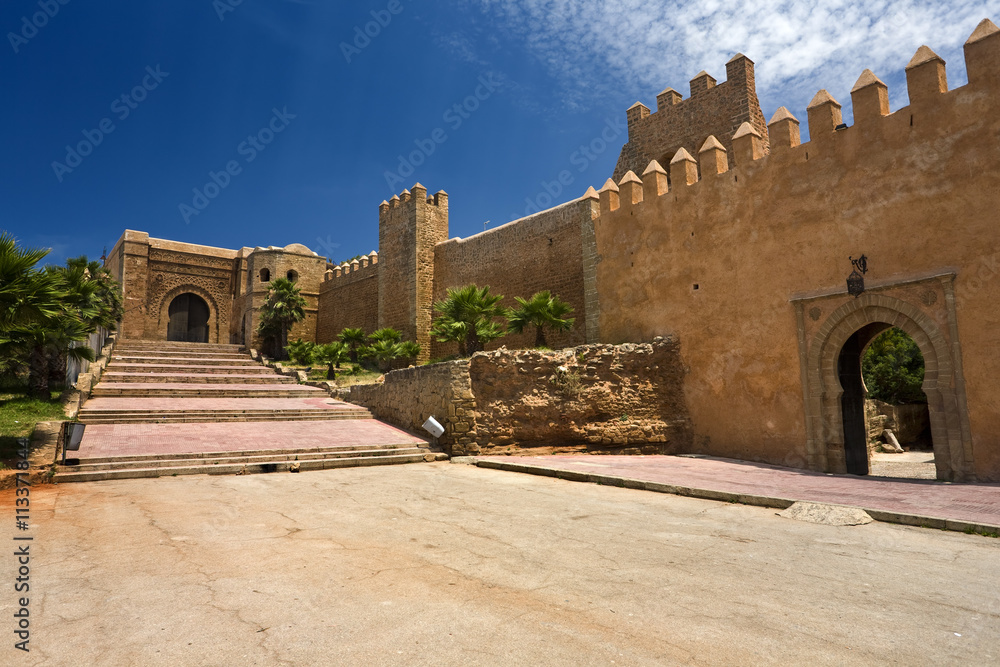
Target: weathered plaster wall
{"type": "Point", "coordinates": [726, 262]}
{"type": "Point", "coordinates": [626, 399]}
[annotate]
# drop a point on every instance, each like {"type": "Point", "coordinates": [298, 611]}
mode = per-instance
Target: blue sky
{"type": "Point", "coordinates": [295, 121]}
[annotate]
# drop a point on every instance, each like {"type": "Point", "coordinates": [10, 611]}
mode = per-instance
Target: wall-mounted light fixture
{"type": "Point", "coordinates": [856, 281]}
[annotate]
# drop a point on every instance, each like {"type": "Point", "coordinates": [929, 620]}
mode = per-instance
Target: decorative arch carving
{"type": "Point", "coordinates": [213, 310]}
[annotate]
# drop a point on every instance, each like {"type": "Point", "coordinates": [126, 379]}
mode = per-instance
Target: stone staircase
{"type": "Point", "coordinates": [168, 408]}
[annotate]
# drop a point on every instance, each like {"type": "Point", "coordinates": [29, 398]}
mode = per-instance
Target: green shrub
{"type": "Point", "coordinates": [301, 352]}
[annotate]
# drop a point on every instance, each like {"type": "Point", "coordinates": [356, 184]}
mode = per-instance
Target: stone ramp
{"type": "Point", "coordinates": [182, 408]}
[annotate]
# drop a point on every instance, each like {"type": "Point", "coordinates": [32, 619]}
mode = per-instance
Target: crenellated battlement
{"type": "Point", "coordinates": [749, 150]}
{"type": "Point", "coordinates": [713, 109]}
{"type": "Point", "coordinates": [411, 199]}
{"type": "Point", "coordinates": [349, 272]}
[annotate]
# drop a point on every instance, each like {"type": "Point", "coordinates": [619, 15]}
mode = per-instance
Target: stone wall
{"type": "Point", "coordinates": [409, 228]}
{"type": "Point", "coordinates": [410, 395]}
{"type": "Point", "coordinates": [712, 110]}
{"type": "Point", "coordinates": [541, 252]}
{"type": "Point", "coordinates": [601, 398]}
{"type": "Point", "coordinates": [348, 300]}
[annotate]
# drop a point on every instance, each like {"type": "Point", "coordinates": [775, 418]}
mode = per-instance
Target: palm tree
{"type": "Point", "coordinates": [26, 295]}
{"type": "Point", "coordinates": [542, 310]}
{"type": "Point", "coordinates": [467, 315]}
{"type": "Point", "coordinates": [353, 338]}
{"type": "Point", "coordinates": [284, 307]}
{"type": "Point", "coordinates": [331, 354]}
{"type": "Point", "coordinates": [387, 334]}
{"type": "Point", "coordinates": [42, 313]}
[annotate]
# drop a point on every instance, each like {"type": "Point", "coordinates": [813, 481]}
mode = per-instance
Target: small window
{"type": "Point", "coordinates": [265, 275]}
{"type": "Point", "coordinates": [291, 275]}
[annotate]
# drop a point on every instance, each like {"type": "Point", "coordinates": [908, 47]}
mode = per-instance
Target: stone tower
{"type": "Point", "coordinates": [712, 110]}
{"type": "Point", "coordinates": [409, 228]}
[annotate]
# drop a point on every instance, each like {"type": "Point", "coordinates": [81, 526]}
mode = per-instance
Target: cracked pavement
{"type": "Point", "coordinates": [442, 564]}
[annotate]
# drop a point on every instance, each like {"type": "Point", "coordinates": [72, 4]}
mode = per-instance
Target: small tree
{"type": "Point", "coordinates": [543, 310]}
{"type": "Point", "coordinates": [383, 352]}
{"type": "Point", "coordinates": [333, 355]}
{"type": "Point", "coordinates": [284, 307]}
{"type": "Point", "coordinates": [467, 315]}
{"type": "Point", "coordinates": [353, 338]}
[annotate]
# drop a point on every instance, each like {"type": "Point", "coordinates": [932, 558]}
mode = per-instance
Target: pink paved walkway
{"type": "Point", "coordinates": [141, 404]}
{"type": "Point", "coordinates": [972, 503]}
{"type": "Point", "coordinates": [109, 440]}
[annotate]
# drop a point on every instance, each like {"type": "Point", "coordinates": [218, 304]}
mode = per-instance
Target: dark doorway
{"type": "Point", "coordinates": [852, 402]}
{"type": "Point", "coordinates": [188, 319]}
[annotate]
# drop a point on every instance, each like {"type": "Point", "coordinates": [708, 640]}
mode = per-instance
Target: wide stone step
{"type": "Point", "coordinates": [181, 354]}
{"type": "Point", "coordinates": [201, 378]}
{"type": "Point", "coordinates": [174, 345]}
{"type": "Point", "coordinates": [203, 390]}
{"type": "Point", "coordinates": [184, 418]}
{"type": "Point", "coordinates": [238, 369]}
{"type": "Point", "coordinates": [276, 464]}
{"type": "Point", "coordinates": [186, 361]}
{"type": "Point", "coordinates": [242, 458]}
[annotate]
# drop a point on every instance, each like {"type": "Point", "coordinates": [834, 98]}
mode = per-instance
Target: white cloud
{"type": "Point", "coordinates": [798, 46]}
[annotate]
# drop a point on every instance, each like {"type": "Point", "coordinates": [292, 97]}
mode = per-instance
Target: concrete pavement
{"type": "Point", "coordinates": [441, 564]}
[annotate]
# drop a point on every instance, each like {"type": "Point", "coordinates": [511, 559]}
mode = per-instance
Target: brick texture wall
{"type": "Point", "coordinates": [543, 251]}
{"type": "Point", "coordinates": [348, 300]}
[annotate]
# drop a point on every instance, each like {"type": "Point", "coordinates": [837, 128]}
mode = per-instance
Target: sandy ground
{"type": "Point", "coordinates": [444, 564]}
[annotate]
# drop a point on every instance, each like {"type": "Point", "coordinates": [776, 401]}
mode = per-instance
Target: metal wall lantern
{"type": "Point", "coordinates": [856, 281]}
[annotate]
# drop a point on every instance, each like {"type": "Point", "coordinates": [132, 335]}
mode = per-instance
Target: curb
{"type": "Point", "coordinates": [730, 497]}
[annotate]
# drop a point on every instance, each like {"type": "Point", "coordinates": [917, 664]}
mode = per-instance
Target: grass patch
{"type": "Point", "coordinates": [344, 376]}
{"type": "Point", "coordinates": [18, 415]}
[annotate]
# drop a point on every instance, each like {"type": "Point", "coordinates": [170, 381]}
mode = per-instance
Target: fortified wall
{"type": "Point", "coordinates": [744, 255]}
{"type": "Point", "coordinates": [732, 235]}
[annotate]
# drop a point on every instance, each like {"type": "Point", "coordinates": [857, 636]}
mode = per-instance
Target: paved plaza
{"type": "Point", "coordinates": [446, 564]}
{"type": "Point", "coordinates": [918, 502]}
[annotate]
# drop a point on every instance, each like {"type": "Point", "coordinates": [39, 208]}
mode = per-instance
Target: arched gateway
{"type": "Point", "coordinates": [835, 427]}
{"type": "Point", "coordinates": [188, 321]}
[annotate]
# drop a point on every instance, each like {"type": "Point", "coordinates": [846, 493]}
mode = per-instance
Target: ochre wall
{"type": "Point", "coordinates": [544, 251]}
{"type": "Point", "coordinates": [916, 191]}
